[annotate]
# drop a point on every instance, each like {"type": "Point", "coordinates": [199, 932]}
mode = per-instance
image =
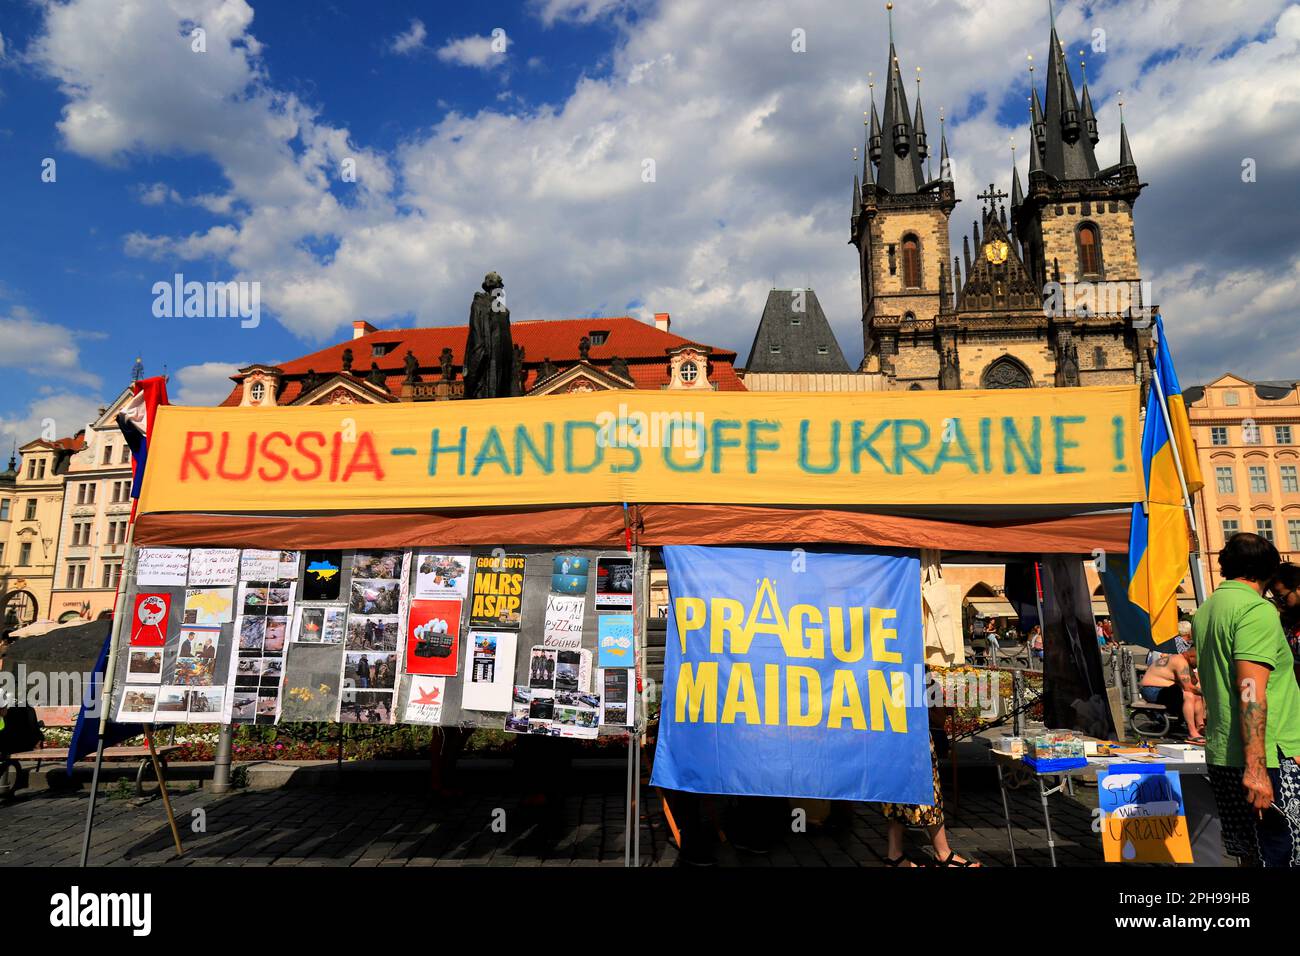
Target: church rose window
{"type": "Point", "coordinates": [1006, 373]}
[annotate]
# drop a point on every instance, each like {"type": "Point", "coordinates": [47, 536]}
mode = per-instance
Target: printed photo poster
{"type": "Point", "coordinates": [616, 708]}
{"type": "Point", "coordinates": [613, 584]}
{"type": "Point", "coordinates": [424, 704]}
{"type": "Point", "coordinates": [262, 635]}
{"type": "Point", "coordinates": [372, 661]}
{"type": "Point", "coordinates": [441, 575]}
{"type": "Point", "coordinates": [182, 704]}
{"type": "Point", "coordinates": [196, 657]}
{"type": "Point", "coordinates": [321, 624]}
{"type": "Point", "coordinates": [161, 567]}
{"type": "Point", "coordinates": [208, 607]}
{"type": "Point", "coordinates": [563, 625]}
{"type": "Point", "coordinates": [144, 665]}
{"type": "Point", "coordinates": [1143, 819]}
{"type": "Point", "coordinates": [433, 637]}
{"type": "Point", "coordinates": [322, 576]}
{"type": "Point", "coordinates": [569, 574]}
{"type": "Point", "coordinates": [614, 641]}
{"type": "Point", "coordinates": [520, 701]}
{"type": "Point", "coordinates": [214, 567]}
{"type": "Point", "coordinates": [138, 704]}
{"type": "Point", "coordinates": [542, 664]}
{"type": "Point", "coordinates": [311, 687]}
{"type": "Point", "coordinates": [149, 620]}
{"type": "Point", "coordinates": [498, 590]}
{"type": "Point", "coordinates": [489, 670]}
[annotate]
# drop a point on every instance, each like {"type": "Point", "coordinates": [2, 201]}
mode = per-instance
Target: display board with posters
{"type": "Point", "coordinates": [428, 636]}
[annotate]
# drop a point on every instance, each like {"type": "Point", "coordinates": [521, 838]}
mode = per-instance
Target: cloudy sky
{"type": "Point", "coordinates": [515, 137]}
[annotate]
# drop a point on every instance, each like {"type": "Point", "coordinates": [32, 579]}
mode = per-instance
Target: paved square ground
{"type": "Point", "coordinates": [371, 820]}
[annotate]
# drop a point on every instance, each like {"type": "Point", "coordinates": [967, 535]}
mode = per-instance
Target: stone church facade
{"type": "Point", "coordinates": [1045, 290]}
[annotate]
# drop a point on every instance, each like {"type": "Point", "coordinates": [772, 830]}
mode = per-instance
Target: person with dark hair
{"type": "Point", "coordinates": [1252, 708]}
{"type": "Point", "coordinates": [1285, 588]}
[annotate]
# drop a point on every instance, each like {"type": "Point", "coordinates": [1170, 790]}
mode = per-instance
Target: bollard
{"type": "Point", "coordinates": [221, 760]}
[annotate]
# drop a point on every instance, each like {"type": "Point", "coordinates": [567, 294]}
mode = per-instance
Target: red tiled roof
{"type": "Point", "coordinates": [643, 346]}
{"type": "Point", "coordinates": [76, 443]}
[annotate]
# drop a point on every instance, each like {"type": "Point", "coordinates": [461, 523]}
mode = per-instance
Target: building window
{"type": "Point", "coordinates": [116, 532]}
{"type": "Point", "coordinates": [80, 533]}
{"type": "Point", "coordinates": [823, 350]}
{"type": "Point", "coordinates": [911, 262]}
{"type": "Point", "coordinates": [1283, 434]}
{"type": "Point", "coordinates": [1089, 250]}
{"type": "Point", "coordinates": [25, 554]}
{"type": "Point", "coordinates": [893, 259]}
{"type": "Point", "coordinates": [1219, 435]}
{"type": "Point", "coordinates": [796, 321]}
{"type": "Point", "coordinates": [1223, 478]}
{"type": "Point", "coordinates": [4, 510]}
{"type": "Point", "coordinates": [1098, 357]}
{"type": "Point", "coordinates": [108, 455]}
{"type": "Point", "coordinates": [126, 454]}
{"type": "Point", "coordinates": [775, 349]}
{"type": "Point", "coordinates": [1258, 480]}
{"type": "Point", "coordinates": [1293, 534]}
{"type": "Point", "coordinates": [1230, 527]}
{"type": "Point", "coordinates": [1250, 434]}
{"type": "Point", "coordinates": [1264, 528]}
{"type": "Point", "coordinates": [600, 338]}
{"type": "Point", "coordinates": [689, 371]}
{"type": "Point", "coordinates": [121, 491]}
{"type": "Point", "coordinates": [29, 512]}
{"type": "Point", "coordinates": [1290, 482]}
{"type": "Point", "coordinates": [1230, 398]}
{"type": "Point", "coordinates": [112, 575]}
{"type": "Point", "coordinates": [36, 469]}
{"type": "Point", "coordinates": [257, 392]}
{"type": "Point", "coordinates": [76, 576]}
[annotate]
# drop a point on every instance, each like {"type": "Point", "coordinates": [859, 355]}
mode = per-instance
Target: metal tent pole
{"type": "Point", "coordinates": [106, 694]}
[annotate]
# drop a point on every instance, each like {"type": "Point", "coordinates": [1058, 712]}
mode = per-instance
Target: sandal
{"type": "Point", "coordinates": [898, 860]}
{"type": "Point", "coordinates": [1198, 741]}
{"type": "Point", "coordinates": [951, 860]}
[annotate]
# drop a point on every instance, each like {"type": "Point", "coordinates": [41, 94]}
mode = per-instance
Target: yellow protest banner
{"type": "Point", "coordinates": [1048, 446]}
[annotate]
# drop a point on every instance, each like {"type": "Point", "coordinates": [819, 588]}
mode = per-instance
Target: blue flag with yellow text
{"type": "Point", "coordinates": [794, 673]}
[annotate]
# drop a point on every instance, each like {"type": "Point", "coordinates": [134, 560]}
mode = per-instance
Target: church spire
{"type": "Point", "coordinates": [922, 150]}
{"type": "Point", "coordinates": [900, 161]}
{"type": "Point", "coordinates": [1017, 194]}
{"type": "Point", "coordinates": [1089, 117]}
{"type": "Point", "coordinates": [874, 144]}
{"type": "Point", "coordinates": [945, 164]}
{"type": "Point", "coordinates": [1125, 151]}
{"type": "Point", "coordinates": [1068, 154]}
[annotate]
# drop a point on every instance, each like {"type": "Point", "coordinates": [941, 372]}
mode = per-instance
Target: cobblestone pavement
{"type": "Point", "coordinates": [378, 822]}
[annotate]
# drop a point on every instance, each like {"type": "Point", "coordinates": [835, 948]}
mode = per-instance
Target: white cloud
{"type": "Point", "coordinates": [483, 52]}
{"type": "Point", "coordinates": [156, 194]}
{"type": "Point", "coordinates": [63, 411]}
{"type": "Point", "coordinates": [207, 383]}
{"type": "Point", "coordinates": [750, 143]}
{"type": "Point", "coordinates": [34, 346]}
{"type": "Point", "coordinates": [410, 41]}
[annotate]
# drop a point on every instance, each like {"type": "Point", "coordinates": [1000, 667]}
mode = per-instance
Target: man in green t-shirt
{"type": "Point", "coordinates": [1252, 708]}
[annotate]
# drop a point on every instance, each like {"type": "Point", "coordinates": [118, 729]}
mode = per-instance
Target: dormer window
{"type": "Point", "coordinates": [380, 349]}
{"type": "Point", "coordinates": [689, 371]}
{"type": "Point", "coordinates": [598, 338]}
{"type": "Point", "coordinates": [776, 349]}
{"type": "Point", "coordinates": [257, 392]}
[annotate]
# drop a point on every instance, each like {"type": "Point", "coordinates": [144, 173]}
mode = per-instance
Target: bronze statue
{"type": "Point", "coordinates": [375, 376]}
{"type": "Point", "coordinates": [520, 373]}
{"type": "Point", "coordinates": [412, 368]}
{"type": "Point", "coordinates": [310, 381]}
{"type": "Point", "coordinates": [618, 366]}
{"type": "Point", "coordinates": [445, 360]}
{"type": "Point", "coordinates": [584, 347]}
{"type": "Point", "coordinates": [547, 369]}
{"type": "Point", "coordinates": [347, 360]}
{"type": "Point", "coordinates": [489, 351]}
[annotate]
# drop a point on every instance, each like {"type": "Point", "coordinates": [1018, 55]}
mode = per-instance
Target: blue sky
{"type": "Point", "coordinates": [225, 165]}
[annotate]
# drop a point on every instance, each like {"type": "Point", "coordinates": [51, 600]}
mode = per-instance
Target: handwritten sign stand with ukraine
{"type": "Point", "coordinates": [794, 673]}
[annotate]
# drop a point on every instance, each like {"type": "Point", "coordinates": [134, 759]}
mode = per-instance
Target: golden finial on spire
{"type": "Point", "coordinates": [855, 156]}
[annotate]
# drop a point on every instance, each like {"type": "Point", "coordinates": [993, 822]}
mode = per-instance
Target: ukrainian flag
{"type": "Point", "coordinates": [1158, 540]}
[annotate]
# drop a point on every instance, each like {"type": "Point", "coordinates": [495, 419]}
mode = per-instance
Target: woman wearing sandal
{"type": "Point", "coordinates": [902, 815]}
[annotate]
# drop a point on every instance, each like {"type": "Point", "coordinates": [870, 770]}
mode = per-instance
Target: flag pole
{"type": "Point", "coordinates": [1194, 557]}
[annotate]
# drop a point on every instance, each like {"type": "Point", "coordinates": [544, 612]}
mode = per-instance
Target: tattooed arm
{"type": "Point", "coordinates": [1252, 681]}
